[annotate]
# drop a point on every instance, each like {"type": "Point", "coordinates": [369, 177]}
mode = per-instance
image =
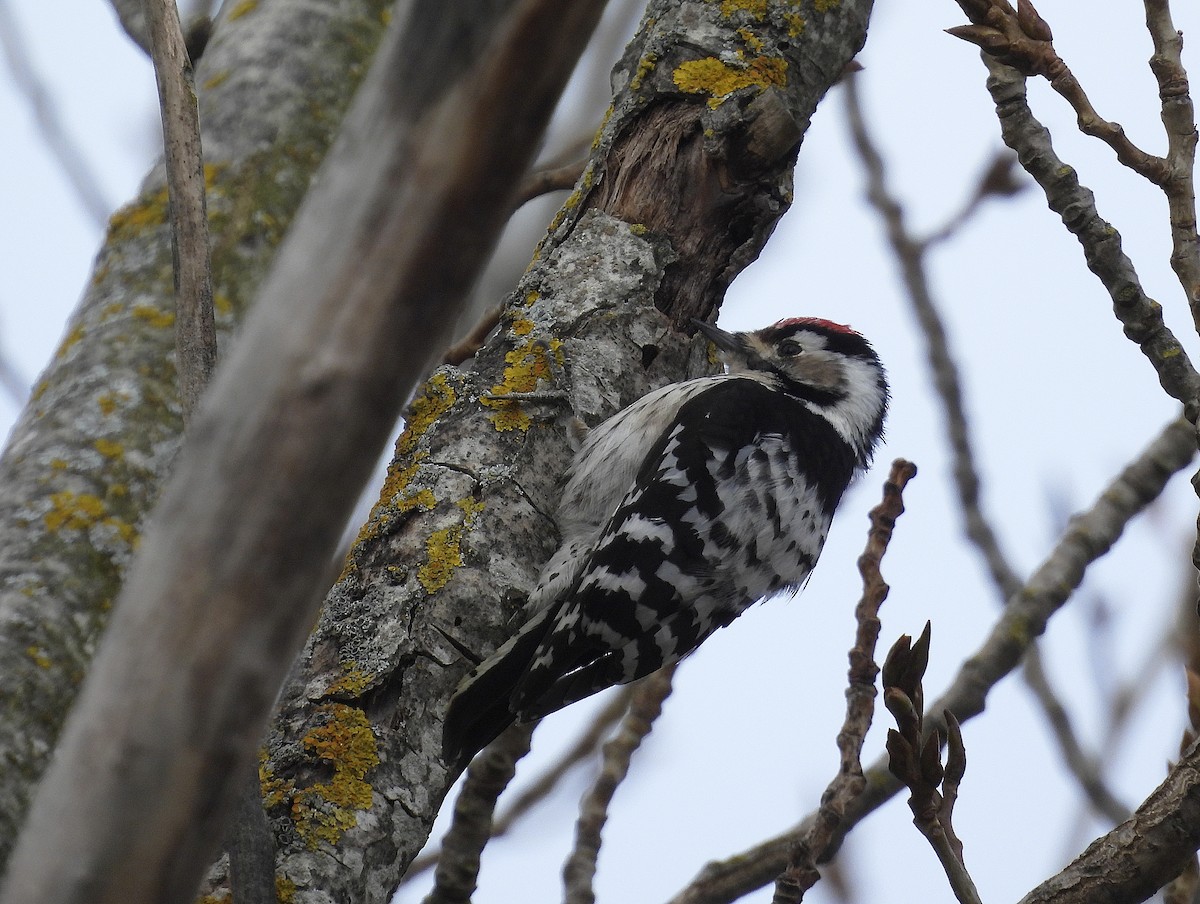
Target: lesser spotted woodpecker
{"type": "Point", "coordinates": [681, 511]}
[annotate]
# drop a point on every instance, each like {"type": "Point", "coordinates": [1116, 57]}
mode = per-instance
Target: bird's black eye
{"type": "Point", "coordinates": [790, 348]}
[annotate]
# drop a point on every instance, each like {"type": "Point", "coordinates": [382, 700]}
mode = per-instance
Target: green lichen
{"type": "Point", "coordinates": [443, 549]}
{"type": "Point", "coordinates": [719, 79]}
{"type": "Point", "coordinates": [525, 367]}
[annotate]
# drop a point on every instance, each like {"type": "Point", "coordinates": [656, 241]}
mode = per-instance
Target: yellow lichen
{"type": "Point", "coordinates": [217, 80]}
{"type": "Point", "coordinates": [107, 403]}
{"type": "Point", "coordinates": [443, 549]}
{"type": "Point", "coordinates": [603, 122]}
{"type": "Point", "coordinates": [824, 6]}
{"type": "Point", "coordinates": [645, 67]}
{"type": "Point", "coordinates": [522, 326]}
{"type": "Point", "coordinates": [531, 296]}
{"type": "Point", "coordinates": [38, 655]}
{"type": "Point", "coordinates": [58, 464]}
{"type": "Point", "coordinates": [525, 367]}
{"type": "Point", "coordinates": [285, 890]}
{"type": "Point", "coordinates": [325, 811]}
{"type": "Point", "coordinates": [639, 229]}
{"type": "Point", "coordinates": [109, 449]}
{"type": "Point", "coordinates": [437, 395]}
{"type": "Point", "coordinates": [795, 24]}
{"type": "Point", "coordinates": [351, 682]}
{"type": "Point", "coordinates": [139, 215]}
{"type": "Point", "coordinates": [72, 337]}
{"type": "Point", "coordinates": [242, 9]}
{"type": "Point", "coordinates": [719, 79]}
{"type": "Point", "coordinates": [74, 511]}
{"type": "Point", "coordinates": [756, 8]}
{"type": "Point", "coordinates": [156, 317]}
{"type": "Point", "coordinates": [753, 41]}
{"type": "Point", "coordinates": [81, 511]}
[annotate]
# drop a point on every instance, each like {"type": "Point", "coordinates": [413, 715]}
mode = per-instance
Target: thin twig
{"type": "Point", "coordinates": [914, 757]}
{"type": "Point", "coordinates": [543, 181]}
{"type": "Point", "coordinates": [1090, 535]}
{"type": "Point", "coordinates": [195, 329]}
{"type": "Point", "coordinates": [472, 342]}
{"type": "Point", "coordinates": [644, 708]}
{"type": "Point", "coordinates": [911, 254]}
{"type": "Point", "coordinates": [1140, 315]}
{"type": "Point", "coordinates": [1021, 38]}
{"type": "Point", "coordinates": [545, 784]}
{"type": "Point", "coordinates": [74, 165]}
{"type": "Point", "coordinates": [801, 873]}
{"type": "Point", "coordinates": [1179, 121]}
{"type": "Point", "coordinates": [489, 774]}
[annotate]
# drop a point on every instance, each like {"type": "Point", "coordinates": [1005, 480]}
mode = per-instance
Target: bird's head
{"type": "Point", "coordinates": [826, 365]}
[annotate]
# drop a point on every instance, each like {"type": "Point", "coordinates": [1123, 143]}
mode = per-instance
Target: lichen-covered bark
{"type": "Point", "coordinates": [86, 459]}
{"type": "Point", "coordinates": [689, 174]}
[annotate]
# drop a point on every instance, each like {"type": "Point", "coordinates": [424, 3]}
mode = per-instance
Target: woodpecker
{"type": "Point", "coordinates": [678, 513]}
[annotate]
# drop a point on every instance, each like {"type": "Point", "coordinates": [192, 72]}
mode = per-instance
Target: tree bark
{"type": "Point", "coordinates": [353, 313]}
{"type": "Point", "coordinates": [687, 178]}
{"type": "Point", "coordinates": [85, 461]}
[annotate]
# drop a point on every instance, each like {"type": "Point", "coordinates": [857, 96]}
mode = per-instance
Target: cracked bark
{"type": "Point", "coordinates": [86, 459]}
{"type": "Point", "coordinates": [688, 176]}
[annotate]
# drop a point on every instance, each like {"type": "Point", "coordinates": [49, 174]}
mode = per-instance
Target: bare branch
{"type": "Point", "coordinates": [543, 181]}
{"type": "Point", "coordinates": [1179, 120]}
{"type": "Point", "coordinates": [457, 870]}
{"type": "Point", "coordinates": [195, 328]}
{"type": "Point", "coordinates": [911, 254]}
{"type": "Point", "coordinates": [355, 309]}
{"type": "Point", "coordinates": [545, 784]}
{"type": "Point", "coordinates": [1142, 854]}
{"type": "Point", "coordinates": [644, 707]}
{"type": "Point", "coordinates": [801, 873]}
{"type": "Point", "coordinates": [1090, 535]}
{"type": "Point", "coordinates": [1139, 314]}
{"type": "Point", "coordinates": [1021, 39]}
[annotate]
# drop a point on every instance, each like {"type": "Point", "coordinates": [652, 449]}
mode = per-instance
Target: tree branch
{"type": "Point", "coordinates": [645, 706]}
{"type": "Point", "coordinates": [1142, 854]}
{"type": "Point", "coordinates": [195, 327]}
{"type": "Point", "coordinates": [801, 873]}
{"type": "Point", "coordinates": [355, 309]}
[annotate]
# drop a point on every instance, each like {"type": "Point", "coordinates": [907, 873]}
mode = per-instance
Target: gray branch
{"type": "Point", "coordinates": [87, 457]}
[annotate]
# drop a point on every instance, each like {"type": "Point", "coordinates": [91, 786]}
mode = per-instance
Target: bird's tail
{"type": "Point", "coordinates": [482, 706]}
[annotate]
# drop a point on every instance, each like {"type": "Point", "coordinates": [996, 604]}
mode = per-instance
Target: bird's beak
{"type": "Point", "coordinates": [726, 342]}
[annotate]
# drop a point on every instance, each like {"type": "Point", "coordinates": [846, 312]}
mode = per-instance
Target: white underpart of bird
{"type": "Point", "coordinates": [681, 511]}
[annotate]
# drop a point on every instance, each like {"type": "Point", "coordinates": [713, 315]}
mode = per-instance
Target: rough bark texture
{"type": "Point", "coordinates": [1142, 854]}
{"type": "Point", "coordinates": [85, 461]}
{"type": "Point", "coordinates": [353, 313]}
{"type": "Point", "coordinates": [689, 174]}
